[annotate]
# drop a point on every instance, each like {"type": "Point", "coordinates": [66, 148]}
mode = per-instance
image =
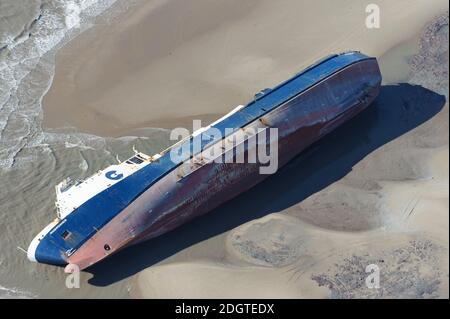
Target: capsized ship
{"type": "Point", "coordinates": [146, 196]}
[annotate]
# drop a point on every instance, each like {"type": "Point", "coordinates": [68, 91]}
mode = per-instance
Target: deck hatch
{"type": "Point", "coordinates": [65, 234]}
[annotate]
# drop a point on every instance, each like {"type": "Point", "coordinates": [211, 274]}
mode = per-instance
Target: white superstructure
{"type": "Point", "coordinates": [71, 194]}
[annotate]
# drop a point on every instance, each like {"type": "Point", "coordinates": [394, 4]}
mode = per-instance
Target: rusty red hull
{"type": "Point", "coordinates": [179, 196]}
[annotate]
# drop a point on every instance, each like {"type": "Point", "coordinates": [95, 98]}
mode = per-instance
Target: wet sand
{"type": "Point", "coordinates": [373, 192]}
{"type": "Point", "coordinates": [163, 63]}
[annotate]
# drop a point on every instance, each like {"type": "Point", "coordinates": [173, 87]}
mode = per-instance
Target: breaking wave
{"type": "Point", "coordinates": [31, 31]}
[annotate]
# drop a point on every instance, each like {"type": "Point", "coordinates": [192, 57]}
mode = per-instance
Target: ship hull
{"type": "Point", "coordinates": [187, 192]}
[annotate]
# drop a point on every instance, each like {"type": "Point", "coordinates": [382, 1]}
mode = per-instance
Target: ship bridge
{"type": "Point", "coordinates": [72, 194]}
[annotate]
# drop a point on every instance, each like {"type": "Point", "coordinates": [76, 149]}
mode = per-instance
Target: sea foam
{"type": "Point", "coordinates": [32, 32]}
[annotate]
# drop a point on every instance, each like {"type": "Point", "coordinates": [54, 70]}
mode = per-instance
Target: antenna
{"type": "Point", "coordinates": [117, 159]}
{"type": "Point", "coordinates": [134, 149]}
{"type": "Point", "coordinates": [22, 250]}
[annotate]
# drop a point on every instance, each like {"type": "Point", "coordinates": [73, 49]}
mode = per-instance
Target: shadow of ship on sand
{"type": "Point", "coordinates": [397, 110]}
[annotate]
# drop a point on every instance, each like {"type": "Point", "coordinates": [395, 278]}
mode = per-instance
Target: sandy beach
{"type": "Point", "coordinates": [163, 63]}
{"type": "Point", "coordinates": [374, 192]}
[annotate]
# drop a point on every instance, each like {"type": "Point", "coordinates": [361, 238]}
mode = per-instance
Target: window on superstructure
{"type": "Point", "coordinates": [65, 234]}
{"type": "Point", "coordinates": [136, 160]}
